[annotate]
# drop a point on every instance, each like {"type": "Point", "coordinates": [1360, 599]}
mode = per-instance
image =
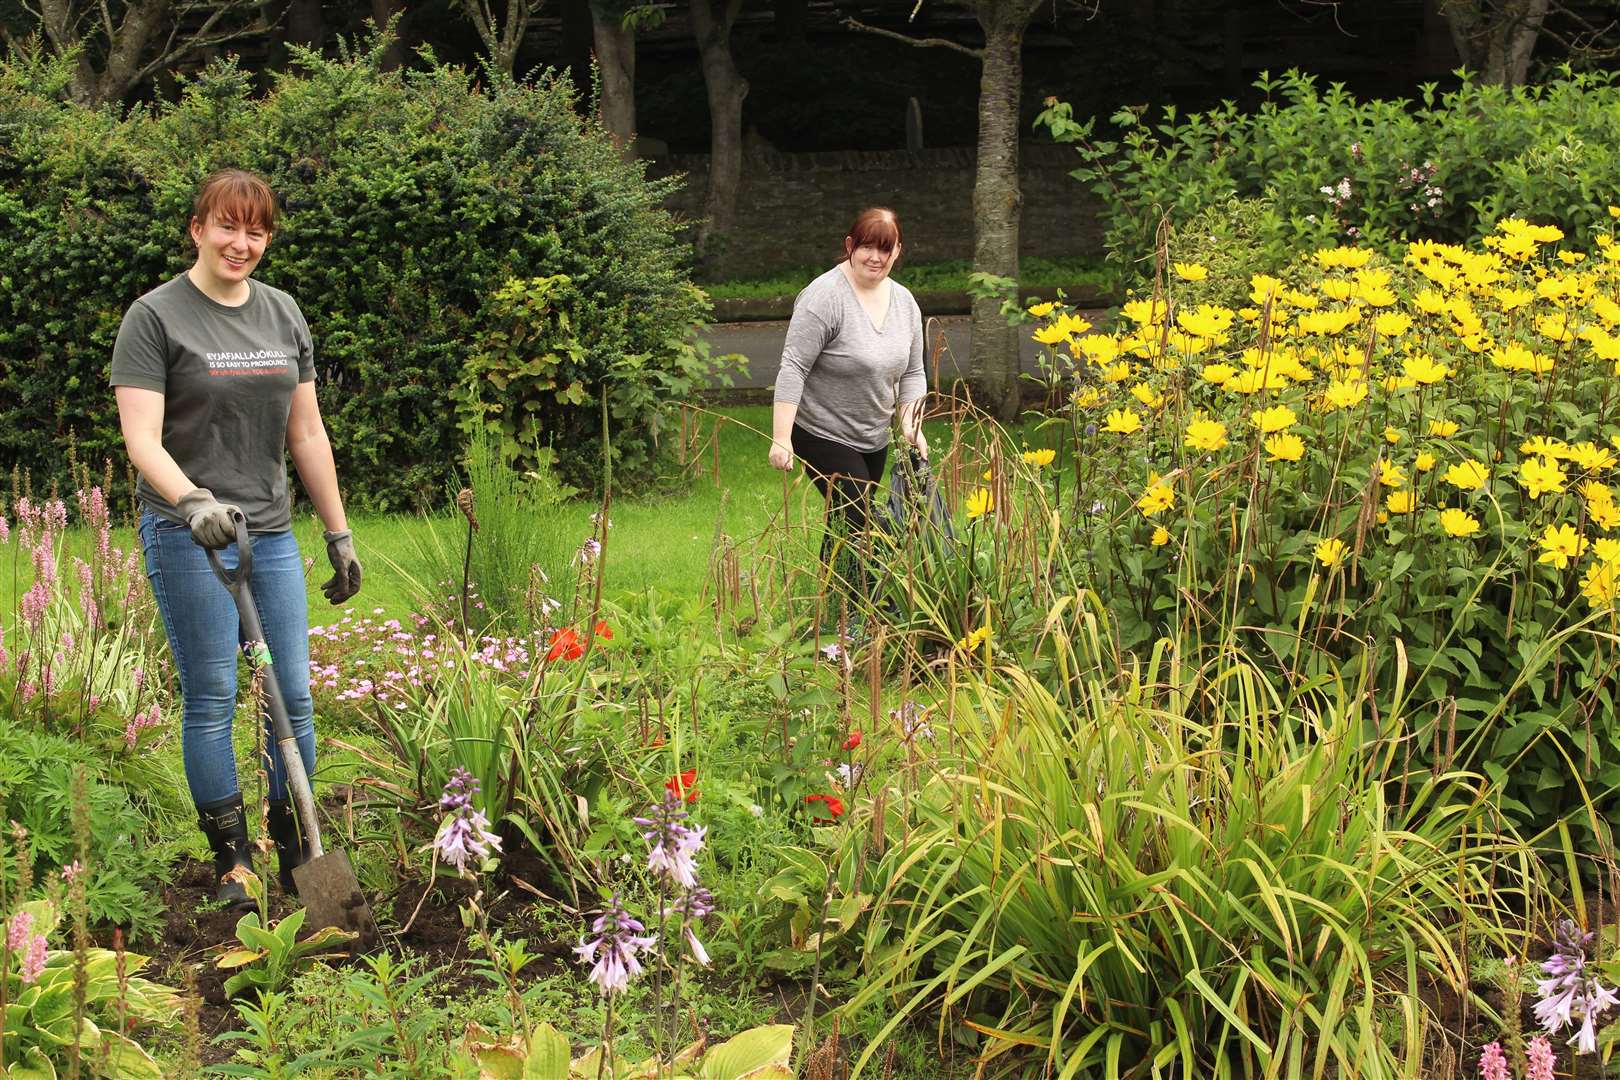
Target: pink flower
{"type": "Point", "coordinates": [31, 947]}
{"type": "Point", "coordinates": [19, 930]}
{"type": "Point", "coordinates": [1493, 1064]}
{"type": "Point", "coordinates": [34, 603]}
{"type": "Point", "coordinates": [34, 959]}
{"type": "Point", "coordinates": [1538, 1059]}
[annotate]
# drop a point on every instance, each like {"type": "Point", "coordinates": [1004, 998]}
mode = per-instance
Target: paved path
{"type": "Point", "coordinates": [761, 342]}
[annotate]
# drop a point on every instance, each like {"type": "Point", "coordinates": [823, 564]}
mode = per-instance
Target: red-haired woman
{"type": "Point", "coordinates": [852, 363]}
{"type": "Point", "coordinates": [214, 375]}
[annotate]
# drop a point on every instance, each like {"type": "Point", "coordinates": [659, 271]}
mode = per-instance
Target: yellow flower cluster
{"type": "Point", "coordinates": [1439, 386]}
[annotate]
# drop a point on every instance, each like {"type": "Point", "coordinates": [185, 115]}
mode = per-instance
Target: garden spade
{"type": "Point", "coordinates": [326, 883]}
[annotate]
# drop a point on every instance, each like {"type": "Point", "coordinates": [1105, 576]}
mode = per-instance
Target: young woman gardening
{"type": "Point", "coordinates": [214, 376]}
{"type": "Point", "coordinates": [852, 362]}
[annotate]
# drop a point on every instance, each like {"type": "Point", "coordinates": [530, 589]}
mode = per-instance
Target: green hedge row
{"type": "Point", "coordinates": [1324, 168]}
{"type": "Point", "coordinates": [415, 204]}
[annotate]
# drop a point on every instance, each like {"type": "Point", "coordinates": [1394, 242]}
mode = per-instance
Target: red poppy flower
{"type": "Point", "coordinates": [603, 630]}
{"type": "Point", "coordinates": [835, 806]}
{"type": "Point", "coordinates": [565, 645]}
{"type": "Point", "coordinates": [683, 785]}
{"type": "Point", "coordinates": [853, 741]}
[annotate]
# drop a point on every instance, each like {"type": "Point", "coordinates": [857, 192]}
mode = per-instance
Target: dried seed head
{"type": "Point", "coordinates": [464, 503]}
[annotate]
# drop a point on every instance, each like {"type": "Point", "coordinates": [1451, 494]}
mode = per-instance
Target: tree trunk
{"type": "Point", "coordinates": [1517, 42]}
{"type": "Point", "coordinates": [381, 12]}
{"type": "Point", "coordinates": [997, 201]}
{"type": "Point", "coordinates": [1496, 42]}
{"type": "Point", "coordinates": [125, 53]}
{"type": "Point", "coordinates": [711, 25]}
{"type": "Point", "coordinates": [616, 56]}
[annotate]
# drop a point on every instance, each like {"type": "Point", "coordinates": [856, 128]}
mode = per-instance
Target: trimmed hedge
{"type": "Point", "coordinates": [412, 201]}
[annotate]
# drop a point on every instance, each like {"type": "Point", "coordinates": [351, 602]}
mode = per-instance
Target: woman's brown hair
{"type": "Point", "coordinates": [236, 195]}
{"type": "Point", "coordinates": [876, 226]}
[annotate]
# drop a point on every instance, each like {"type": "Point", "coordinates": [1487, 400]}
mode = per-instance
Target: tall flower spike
{"type": "Point", "coordinates": [1570, 992]}
{"type": "Point", "coordinates": [1539, 1059]}
{"type": "Point", "coordinates": [613, 951]}
{"type": "Point", "coordinates": [464, 834]}
{"type": "Point", "coordinates": [672, 843]}
{"type": "Point", "coordinates": [694, 907]}
{"type": "Point", "coordinates": [1493, 1064]}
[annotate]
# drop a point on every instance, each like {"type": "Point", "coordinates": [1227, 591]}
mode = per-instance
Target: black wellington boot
{"type": "Point", "coordinates": [291, 850]}
{"type": "Point", "coordinates": [225, 825]}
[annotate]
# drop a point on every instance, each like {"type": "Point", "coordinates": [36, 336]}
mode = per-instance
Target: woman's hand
{"type": "Point", "coordinates": [920, 441]}
{"type": "Point", "coordinates": [781, 456]}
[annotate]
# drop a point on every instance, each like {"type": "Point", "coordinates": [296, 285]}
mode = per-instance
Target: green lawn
{"type": "Point", "coordinates": [661, 543]}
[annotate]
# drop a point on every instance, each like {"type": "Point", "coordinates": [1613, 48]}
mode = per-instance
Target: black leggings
{"type": "Point", "coordinates": [846, 478]}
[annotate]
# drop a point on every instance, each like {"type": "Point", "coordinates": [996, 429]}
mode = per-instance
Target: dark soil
{"type": "Point", "coordinates": [430, 928]}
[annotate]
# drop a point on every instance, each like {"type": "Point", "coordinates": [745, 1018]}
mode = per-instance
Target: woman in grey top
{"type": "Point", "coordinates": [851, 364]}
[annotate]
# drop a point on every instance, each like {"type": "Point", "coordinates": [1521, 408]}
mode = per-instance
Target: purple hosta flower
{"type": "Point", "coordinates": [693, 907]}
{"type": "Point", "coordinates": [1572, 993]}
{"type": "Point", "coordinates": [1493, 1064]}
{"type": "Point", "coordinates": [848, 775]}
{"type": "Point", "coordinates": [673, 843]}
{"type": "Point", "coordinates": [612, 952]}
{"type": "Point", "coordinates": [72, 870]}
{"type": "Point", "coordinates": [29, 947]}
{"type": "Point", "coordinates": [464, 834]}
{"type": "Point", "coordinates": [833, 651]}
{"type": "Point", "coordinates": [1539, 1059]}
{"type": "Point", "coordinates": [912, 719]}
{"type": "Point", "coordinates": [588, 551]}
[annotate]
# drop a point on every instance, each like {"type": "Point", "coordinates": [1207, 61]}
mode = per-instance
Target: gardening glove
{"type": "Point", "coordinates": [213, 523]}
{"type": "Point", "coordinates": [345, 580]}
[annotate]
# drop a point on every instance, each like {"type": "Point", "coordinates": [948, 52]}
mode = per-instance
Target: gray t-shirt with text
{"type": "Point", "coordinates": [846, 375]}
{"type": "Point", "coordinates": [227, 376]}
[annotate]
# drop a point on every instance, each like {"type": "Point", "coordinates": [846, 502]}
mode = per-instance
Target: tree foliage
{"type": "Point", "coordinates": [412, 200]}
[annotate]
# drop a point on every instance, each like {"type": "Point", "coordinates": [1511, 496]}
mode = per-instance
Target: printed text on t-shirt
{"type": "Point", "coordinates": [259, 362]}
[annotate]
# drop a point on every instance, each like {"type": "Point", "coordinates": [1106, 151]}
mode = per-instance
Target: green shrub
{"type": "Point", "coordinates": [412, 201]}
{"type": "Point", "coordinates": [1445, 168]}
{"type": "Point", "coordinates": [36, 777]}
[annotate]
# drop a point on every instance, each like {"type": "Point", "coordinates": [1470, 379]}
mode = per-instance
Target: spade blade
{"type": "Point", "coordinates": [329, 890]}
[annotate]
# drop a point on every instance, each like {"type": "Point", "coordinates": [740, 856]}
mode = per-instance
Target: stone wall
{"type": "Point", "coordinates": [794, 208]}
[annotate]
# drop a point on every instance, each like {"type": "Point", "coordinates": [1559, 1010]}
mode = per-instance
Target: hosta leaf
{"type": "Point", "coordinates": [760, 1053]}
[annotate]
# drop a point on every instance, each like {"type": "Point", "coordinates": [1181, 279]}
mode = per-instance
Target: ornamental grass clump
{"type": "Point", "coordinates": [1248, 888]}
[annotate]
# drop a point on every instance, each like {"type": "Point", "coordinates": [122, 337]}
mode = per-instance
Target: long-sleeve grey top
{"type": "Point", "coordinates": [847, 376]}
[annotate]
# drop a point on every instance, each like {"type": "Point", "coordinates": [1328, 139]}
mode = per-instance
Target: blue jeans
{"type": "Point", "coordinates": [205, 635]}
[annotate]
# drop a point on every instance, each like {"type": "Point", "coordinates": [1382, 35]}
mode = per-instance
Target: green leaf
{"type": "Point", "coordinates": [126, 1060]}
{"type": "Point", "coordinates": [34, 1066]}
{"type": "Point", "coordinates": [548, 1054]}
{"type": "Point", "coordinates": [235, 958]}
{"type": "Point", "coordinates": [760, 1053]}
